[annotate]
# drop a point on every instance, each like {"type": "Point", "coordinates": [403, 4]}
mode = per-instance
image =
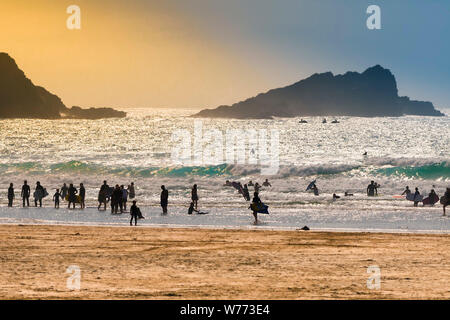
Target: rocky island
{"type": "Point", "coordinates": [20, 98]}
{"type": "Point", "coordinates": [372, 93]}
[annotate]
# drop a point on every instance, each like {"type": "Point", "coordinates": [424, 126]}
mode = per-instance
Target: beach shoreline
{"type": "Point", "coordinates": [198, 263]}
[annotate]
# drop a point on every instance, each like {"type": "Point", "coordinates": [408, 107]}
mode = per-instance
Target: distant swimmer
{"type": "Point", "coordinates": [416, 197]}
{"type": "Point", "coordinates": [445, 200]}
{"type": "Point", "coordinates": [56, 198]}
{"type": "Point", "coordinates": [64, 190]}
{"type": "Point", "coordinates": [257, 187]}
{"type": "Point", "coordinates": [191, 209]}
{"type": "Point", "coordinates": [365, 153]}
{"type": "Point", "coordinates": [135, 213]}
{"type": "Point", "coordinates": [246, 193]}
{"type": "Point", "coordinates": [194, 196]}
{"type": "Point", "coordinates": [372, 189]}
{"type": "Point", "coordinates": [347, 194]}
{"type": "Point", "coordinates": [227, 184]}
{"type": "Point", "coordinates": [25, 194]}
{"type": "Point", "coordinates": [164, 199]}
{"type": "Point", "coordinates": [11, 195]}
{"type": "Point", "coordinates": [72, 195]}
{"type": "Point", "coordinates": [407, 191]}
{"type": "Point", "coordinates": [266, 183]}
{"type": "Point", "coordinates": [250, 184]}
{"type": "Point", "coordinates": [303, 121]}
{"type": "Point", "coordinates": [324, 121]}
{"type": "Point", "coordinates": [335, 197]}
{"type": "Point", "coordinates": [335, 121]}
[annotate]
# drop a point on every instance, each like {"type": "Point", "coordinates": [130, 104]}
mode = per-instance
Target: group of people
{"type": "Point", "coordinates": [117, 196]}
{"type": "Point", "coordinates": [39, 193]}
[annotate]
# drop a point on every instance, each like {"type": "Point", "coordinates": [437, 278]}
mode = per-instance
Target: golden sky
{"type": "Point", "coordinates": [125, 55]}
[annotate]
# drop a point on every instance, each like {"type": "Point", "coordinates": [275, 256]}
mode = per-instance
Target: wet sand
{"type": "Point", "coordinates": [160, 263]}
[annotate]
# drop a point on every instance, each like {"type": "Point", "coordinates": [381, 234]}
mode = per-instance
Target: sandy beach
{"type": "Point", "coordinates": [164, 263]}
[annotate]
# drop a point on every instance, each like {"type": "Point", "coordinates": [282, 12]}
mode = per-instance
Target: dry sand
{"type": "Point", "coordinates": [158, 263]}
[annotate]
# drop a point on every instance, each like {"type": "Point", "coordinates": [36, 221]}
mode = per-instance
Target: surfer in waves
{"type": "Point", "coordinates": [407, 191]}
{"type": "Point", "coordinates": [266, 183]}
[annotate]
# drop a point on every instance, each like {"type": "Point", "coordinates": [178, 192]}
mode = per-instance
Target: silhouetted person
{"type": "Point", "coordinates": [64, 190]}
{"type": "Point", "coordinates": [416, 196]}
{"type": "Point", "coordinates": [372, 189]}
{"type": "Point", "coordinates": [407, 191]}
{"type": "Point", "coordinates": [135, 213]}
{"type": "Point", "coordinates": [246, 193]}
{"type": "Point", "coordinates": [255, 202]}
{"type": "Point", "coordinates": [102, 195]}
{"type": "Point", "coordinates": [123, 206]}
{"type": "Point", "coordinates": [365, 153]}
{"type": "Point", "coordinates": [56, 198]}
{"type": "Point", "coordinates": [10, 195]}
{"type": "Point", "coordinates": [347, 194]}
{"type": "Point", "coordinates": [250, 183]}
{"type": "Point", "coordinates": [267, 183]}
{"type": "Point", "coordinates": [447, 200]}
{"type": "Point", "coordinates": [315, 189]}
{"type": "Point", "coordinates": [335, 197]}
{"type": "Point", "coordinates": [38, 194]}
{"type": "Point", "coordinates": [82, 194]}
{"type": "Point", "coordinates": [116, 199]}
{"type": "Point", "coordinates": [72, 195]}
{"type": "Point", "coordinates": [25, 194]}
{"type": "Point", "coordinates": [194, 196]}
{"type": "Point", "coordinates": [131, 191]}
{"type": "Point", "coordinates": [164, 199]}
{"type": "Point", "coordinates": [257, 187]}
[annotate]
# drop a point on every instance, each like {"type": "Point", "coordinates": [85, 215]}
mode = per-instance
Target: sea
{"type": "Point", "coordinates": [154, 147]}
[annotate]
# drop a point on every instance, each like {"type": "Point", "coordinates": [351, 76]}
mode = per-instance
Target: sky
{"type": "Point", "coordinates": [204, 53]}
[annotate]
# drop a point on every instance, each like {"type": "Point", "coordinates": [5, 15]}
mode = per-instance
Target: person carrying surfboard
{"type": "Point", "coordinates": [256, 201]}
{"type": "Point", "coordinates": [39, 193]}
{"type": "Point", "coordinates": [194, 196]}
{"type": "Point", "coordinates": [407, 191]}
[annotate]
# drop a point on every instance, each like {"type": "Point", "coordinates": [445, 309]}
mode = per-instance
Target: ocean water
{"type": "Point", "coordinates": [413, 151]}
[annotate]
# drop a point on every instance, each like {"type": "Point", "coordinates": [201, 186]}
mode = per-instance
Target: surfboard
{"type": "Point", "coordinates": [398, 197]}
{"type": "Point", "coordinates": [260, 208]}
{"type": "Point", "coordinates": [77, 200]}
{"type": "Point", "coordinates": [411, 197]}
{"type": "Point", "coordinates": [444, 200]}
{"type": "Point", "coordinates": [433, 200]}
{"type": "Point", "coordinates": [310, 185]}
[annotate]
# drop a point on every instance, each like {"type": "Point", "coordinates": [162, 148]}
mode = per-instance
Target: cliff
{"type": "Point", "coordinates": [372, 93]}
{"type": "Point", "coordinates": [20, 98]}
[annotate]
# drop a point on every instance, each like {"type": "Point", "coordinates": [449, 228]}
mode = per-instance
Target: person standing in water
{"type": "Point", "coordinates": [10, 195]}
{"type": "Point", "coordinates": [135, 213]}
{"type": "Point", "coordinates": [123, 206]}
{"type": "Point", "coordinates": [116, 199]}
{"type": "Point", "coordinates": [256, 201]}
{"type": "Point", "coordinates": [72, 191]}
{"type": "Point", "coordinates": [56, 197]}
{"type": "Point", "coordinates": [38, 194]}
{"type": "Point", "coordinates": [102, 195]}
{"type": "Point", "coordinates": [416, 196]}
{"type": "Point", "coordinates": [82, 196]}
{"type": "Point", "coordinates": [131, 191]}
{"type": "Point", "coordinates": [447, 200]}
{"type": "Point", "coordinates": [194, 196]}
{"type": "Point", "coordinates": [246, 192]}
{"type": "Point", "coordinates": [25, 194]}
{"type": "Point", "coordinates": [372, 189]}
{"type": "Point", "coordinates": [164, 199]}
{"type": "Point", "coordinates": [64, 190]}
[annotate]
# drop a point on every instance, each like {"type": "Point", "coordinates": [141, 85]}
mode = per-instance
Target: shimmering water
{"type": "Point", "coordinates": [412, 151]}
